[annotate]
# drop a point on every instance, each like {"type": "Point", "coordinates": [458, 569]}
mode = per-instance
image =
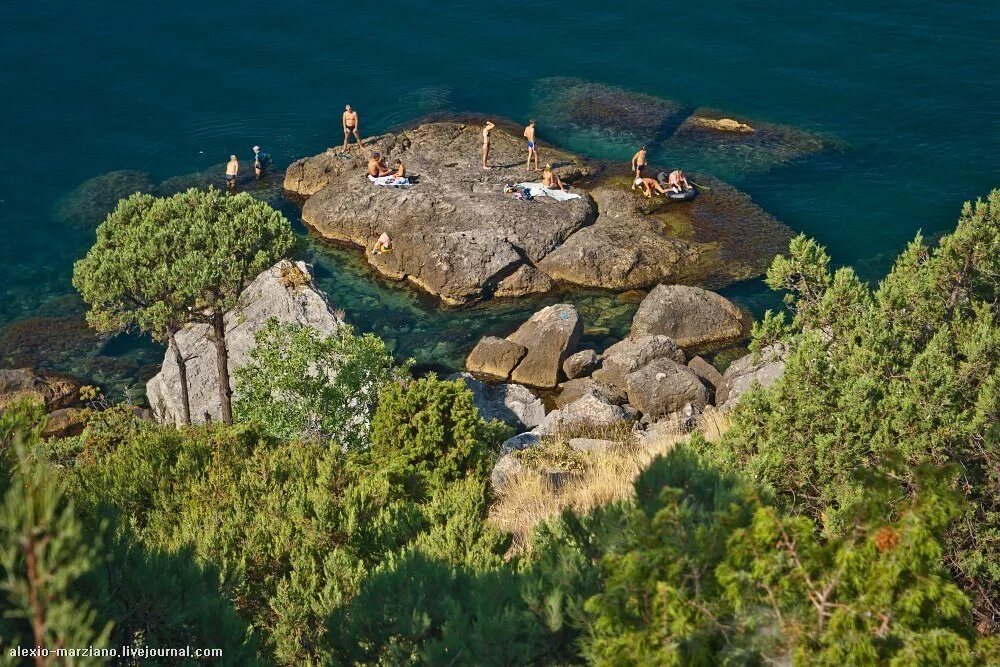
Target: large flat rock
{"type": "Point", "coordinates": [698, 320]}
{"type": "Point", "coordinates": [455, 233]}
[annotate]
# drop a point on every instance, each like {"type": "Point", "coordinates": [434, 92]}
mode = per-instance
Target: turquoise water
{"type": "Point", "coordinates": [907, 89]}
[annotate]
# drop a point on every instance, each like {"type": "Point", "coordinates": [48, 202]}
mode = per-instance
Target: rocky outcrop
{"type": "Point", "coordinates": [284, 292]}
{"type": "Point", "coordinates": [64, 423]}
{"type": "Point", "coordinates": [53, 392]}
{"type": "Point", "coordinates": [573, 390]}
{"type": "Point", "coordinates": [495, 357]}
{"type": "Point", "coordinates": [582, 416]}
{"type": "Point", "coordinates": [512, 404]}
{"type": "Point", "coordinates": [550, 335]}
{"type": "Point", "coordinates": [718, 238]}
{"type": "Point", "coordinates": [455, 233]}
{"type": "Point", "coordinates": [580, 364]}
{"type": "Point", "coordinates": [708, 373]}
{"type": "Point", "coordinates": [662, 387]}
{"type": "Point", "coordinates": [631, 354]}
{"type": "Point", "coordinates": [698, 320]}
{"type": "Point", "coordinates": [762, 369]}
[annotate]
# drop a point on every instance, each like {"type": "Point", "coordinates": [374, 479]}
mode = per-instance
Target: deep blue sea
{"type": "Point", "coordinates": [909, 91]}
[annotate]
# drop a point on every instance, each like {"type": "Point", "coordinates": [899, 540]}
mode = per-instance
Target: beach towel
{"type": "Point", "coordinates": [390, 181]}
{"type": "Point", "coordinates": [539, 190]}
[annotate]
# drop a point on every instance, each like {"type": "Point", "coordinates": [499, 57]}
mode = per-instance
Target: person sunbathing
{"type": "Point", "coordinates": [649, 185]}
{"type": "Point", "coordinates": [376, 167]}
{"type": "Point", "coordinates": [382, 245]}
{"type": "Point", "coordinates": [550, 180]}
{"type": "Point", "coordinates": [400, 169]}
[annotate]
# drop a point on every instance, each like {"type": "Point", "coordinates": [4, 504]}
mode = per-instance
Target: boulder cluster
{"type": "Point", "coordinates": [655, 376]}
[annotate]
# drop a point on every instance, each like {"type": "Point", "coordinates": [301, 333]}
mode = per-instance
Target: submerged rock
{"type": "Point", "coordinates": [48, 342]}
{"type": "Point", "coordinates": [741, 144]}
{"type": "Point", "coordinates": [267, 188]}
{"type": "Point", "coordinates": [573, 102]}
{"type": "Point", "coordinates": [284, 292]}
{"type": "Point", "coordinates": [454, 233]}
{"type": "Point", "coordinates": [698, 320]}
{"type": "Point", "coordinates": [91, 201]}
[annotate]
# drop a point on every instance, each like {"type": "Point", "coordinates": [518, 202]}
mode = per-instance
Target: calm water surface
{"type": "Point", "coordinates": [908, 89]}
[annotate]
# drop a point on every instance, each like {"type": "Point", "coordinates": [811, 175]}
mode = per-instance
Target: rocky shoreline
{"type": "Point", "coordinates": [457, 235]}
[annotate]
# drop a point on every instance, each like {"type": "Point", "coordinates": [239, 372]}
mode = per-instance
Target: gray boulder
{"type": "Point", "coordinates": [698, 320]}
{"type": "Point", "coordinates": [284, 292]}
{"type": "Point", "coordinates": [580, 364]}
{"type": "Point", "coordinates": [550, 335]}
{"type": "Point", "coordinates": [512, 404]}
{"type": "Point", "coordinates": [663, 387]}
{"type": "Point", "coordinates": [744, 373]}
{"type": "Point", "coordinates": [632, 354]}
{"type": "Point", "coordinates": [495, 357]}
{"type": "Point", "coordinates": [708, 373]}
{"type": "Point", "coordinates": [573, 390]}
{"type": "Point", "coordinates": [583, 415]}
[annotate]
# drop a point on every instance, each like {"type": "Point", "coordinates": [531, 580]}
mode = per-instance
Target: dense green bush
{"type": "Point", "coordinates": [910, 369]}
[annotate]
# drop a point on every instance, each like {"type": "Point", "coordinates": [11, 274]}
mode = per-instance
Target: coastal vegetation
{"type": "Point", "coordinates": [847, 514]}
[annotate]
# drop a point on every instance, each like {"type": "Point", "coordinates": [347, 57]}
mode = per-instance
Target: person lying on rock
{"type": "Point", "coordinates": [382, 245]}
{"type": "Point", "coordinates": [400, 171]}
{"type": "Point", "coordinates": [550, 180]}
{"type": "Point", "coordinates": [649, 185]}
{"type": "Point", "coordinates": [376, 167]}
{"type": "Point", "coordinates": [677, 181]}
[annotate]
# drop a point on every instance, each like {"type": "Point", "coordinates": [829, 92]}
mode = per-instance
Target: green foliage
{"type": "Point", "coordinates": [910, 368]}
{"type": "Point", "coordinates": [44, 553]}
{"type": "Point", "coordinates": [299, 383]}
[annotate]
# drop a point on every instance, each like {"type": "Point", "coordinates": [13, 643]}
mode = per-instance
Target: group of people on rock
{"type": "Point", "coordinates": [676, 181]}
{"type": "Point", "coordinates": [261, 163]}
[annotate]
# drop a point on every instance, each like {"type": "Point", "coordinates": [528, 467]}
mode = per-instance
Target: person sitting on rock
{"type": "Point", "coordinates": [400, 171]}
{"type": "Point", "coordinates": [649, 185]}
{"type": "Point", "coordinates": [677, 181]}
{"type": "Point", "coordinates": [550, 180]}
{"type": "Point", "coordinates": [382, 245]}
{"type": "Point", "coordinates": [376, 167]}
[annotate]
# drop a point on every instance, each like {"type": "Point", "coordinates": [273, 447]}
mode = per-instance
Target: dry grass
{"type": "Point", "coordinates": [561, 478]}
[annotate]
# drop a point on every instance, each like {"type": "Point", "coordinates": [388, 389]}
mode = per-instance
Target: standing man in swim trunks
{"type": "Point", "coordinates": [638, 165]}
{"type": "Point", "coordinates": [529, 134]}
{"type": "Point", "coordinates": [350, 121]}
{"type": "Point", "coordinates": [232, 171]}
{"type": "Point", "coordinates": [486, 143]}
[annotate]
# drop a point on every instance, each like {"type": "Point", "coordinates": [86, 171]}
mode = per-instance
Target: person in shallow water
{"type": "Point", "coordinates": [550, 180]}
{"type": "Point", "coordinates": [638, 164]}
{"type": "Point", "coordinates": [376, 167]}
{"type": "Point", "coordinates": [486, 143]}
{"type": "Point", "coordinates": [261, 162]}
{"type": "Point", "coordinates": [649, 185]}
{"type": "Point", "coordinates": [232, 171]}
{"type": "Point", "coordinates": [350, 122]}
{"type": "Point", "coordinates": [529, 134]}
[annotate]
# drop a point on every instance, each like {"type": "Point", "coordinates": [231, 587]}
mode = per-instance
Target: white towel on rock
{"type": "Point", "coordinates": [539, 190]}
{"type": "Point", "coordinates": [390, 181]}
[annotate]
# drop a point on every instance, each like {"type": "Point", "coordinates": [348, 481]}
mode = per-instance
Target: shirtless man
{"type": "Point", "coordinates": [232, 171]}
{"type": "Point", "coordinates": [377, 168]}
{"type": "Point", "coordinates": [529, 134]}
{"type": "Point", "coordinates": [350, 121]}
{"type": "Point", "coordinates": [648, 186]}
{"type": "Point", "coordinates": [400, 169]}
{"type": "Point", "coordinates": [678, 182]}
{"type": "Point", "coordinates": [550, 180]}
{"type": "Point", "coordinates": [486, 143]}
{"type": "Point", "coordinates": [638, 164]}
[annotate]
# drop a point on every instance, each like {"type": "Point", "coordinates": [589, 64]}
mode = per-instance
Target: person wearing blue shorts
{"type": "Point", "coordinates": [529, 134]}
